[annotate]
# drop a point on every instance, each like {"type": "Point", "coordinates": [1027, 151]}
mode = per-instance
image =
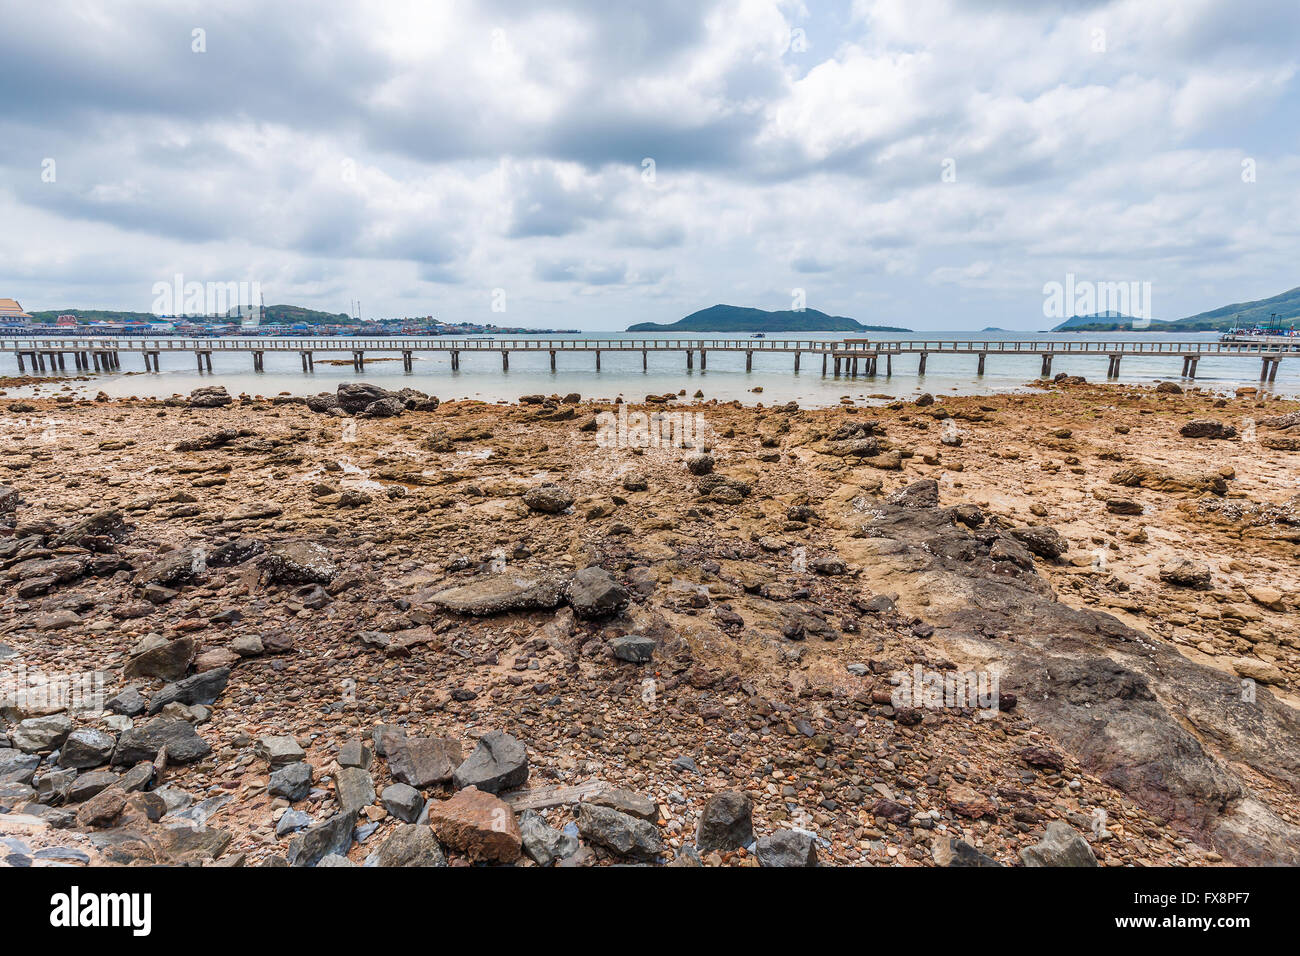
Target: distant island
{"type": "Point", "coordinates": [734, 318]}
{"type": "Point", "coordinates": [1280, 311]}
{"type": "Point", "coordinates": [273, 319]}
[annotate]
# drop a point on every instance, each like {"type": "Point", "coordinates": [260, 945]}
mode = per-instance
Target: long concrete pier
{"type": "Point", "coordinates": [850, 357]}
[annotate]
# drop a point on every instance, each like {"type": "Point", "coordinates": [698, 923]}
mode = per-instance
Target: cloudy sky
{"type": "Point", "coordinates": [925, 163]}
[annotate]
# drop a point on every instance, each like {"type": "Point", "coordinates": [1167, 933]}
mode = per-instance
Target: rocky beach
{"type": "Point", "coordinates": [372, 628]}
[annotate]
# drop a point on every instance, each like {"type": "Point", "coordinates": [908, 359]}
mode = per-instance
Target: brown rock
{"type": "Point", "coordinates": [478, 823]}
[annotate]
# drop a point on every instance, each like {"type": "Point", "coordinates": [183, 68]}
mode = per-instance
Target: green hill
{"type": "Point", "coordinates": [734, 318]}
{"type": "Point", "coordinates": [1101, 322]}
{"type": "Point", "coordinates": [271, 315]}
{"type": "Point", "coordinates": [1261, 312]}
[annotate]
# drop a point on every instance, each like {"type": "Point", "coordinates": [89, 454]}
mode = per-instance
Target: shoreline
{"type": "Point", "coordinates": [780, 589]}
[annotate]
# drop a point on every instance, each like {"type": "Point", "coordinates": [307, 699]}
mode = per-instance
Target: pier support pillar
{"type": "Point", "coordinates": [308, 361]}
{"type": "Point", "coordinates": [1191, 369]}
{"type": "Point", "coordinates": [645, 361]}
{"type": "Point", "coordinates": [552, 360]}
{"type": "Point", "coordinates": [505, 360]}
{"type": "Point", "coordinates": [854, 373]}
{"type": "Point", "coordinates": [62, 367]}
{"type": "Point", "coordinates": [1112, 370]}
{"type": "Point", "coordinates": [1269, 371]}
{"type": "Point", "coordinates": [889, 364]}
{"type": "Point", "coordinates": [871, 365]}
{"type": "Point", "coordinates": [837, 366]}
{"type": "Point", "coordinates": [796, 361]}
{"type": "Point", "coordinates": [1047, 364]}
{"type": "Point", "coordinates": [455, 360]}
{"type": "Point", "coordinates": [920, 369]}
{"type": "Point", "coordinates": [597, 360]}
{"type": "Point", "coordinates": [704, 360]}
{"type": "Point", "coordinates": [1277, 363]}
{"type": "Point", "coordinates": [824, 356]}
{"type": "Point", "coordinates": [21, 366]}
{"type": "Point", "coordinates": [358, 361]}
{"type": "Point", "coordinates": [408, 360]}
{"type": "Point", "coordinates": [980, 368]}
{"type": "Point", "coordinates": [94, 357]}
{"type": "Point", "coordinates": [690, 360]}
{"type": "Point", "coordinates": [749, 361]}
{"type": "Point", "coordinates": [259, 359]}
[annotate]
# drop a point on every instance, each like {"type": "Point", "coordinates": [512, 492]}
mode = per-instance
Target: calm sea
{"type": "Point", "coordinates": [480, 375]}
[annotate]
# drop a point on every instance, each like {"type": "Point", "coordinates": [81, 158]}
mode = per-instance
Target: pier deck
{"type": "Point", "coordinates": [850, 355]}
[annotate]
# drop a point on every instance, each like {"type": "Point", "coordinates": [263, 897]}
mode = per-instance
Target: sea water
{"type": "Point", "coordinates": [481, 377]}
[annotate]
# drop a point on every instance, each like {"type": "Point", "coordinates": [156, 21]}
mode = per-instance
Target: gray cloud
{"type": "Point", "coordinates": [409, 150]}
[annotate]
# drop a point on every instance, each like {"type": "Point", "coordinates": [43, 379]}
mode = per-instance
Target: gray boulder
{"type": "Point", "coordinates": [593, 593]}
{"type": "Point", "coordinates": [499, 762]}
{"type": "Point", "coordinates": [787, 848]}
{"type": "Point", "coordinates": [354, 789]}
{"type": "Point", "coordinates": [726, 822]}
{"type": "Point", "coordinates": [292, 781]}
{"type": "Point", "coordinates": [86, 748]}
{"type": "Point", "coordinates": [40, 734]}
{"type": "Point", "coordinates": [412, 844]}
{"type": "Point", "coordinates": [625, 835]}
{"type": "Point", "coordinates": [334, 836]}
{"type": "Point", "coordinates": [543, 842]}
{"type": "Point", "coordinates": [183, 743]}
{"type": "Point", "coordinates": [1061, 845]}
{"type": "Point", "coordinates": [503, 593]}
{"type": "Point", "coordinates": [298, 562]}
{"type": "Point", "coordinates": [402, 802]}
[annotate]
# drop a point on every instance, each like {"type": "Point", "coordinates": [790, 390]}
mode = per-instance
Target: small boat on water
{"type": "Point", "coordinates": [758, 335]}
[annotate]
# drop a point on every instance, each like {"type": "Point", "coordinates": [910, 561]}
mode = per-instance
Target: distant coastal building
{"type": "Point", "coordinates": [11, 311]}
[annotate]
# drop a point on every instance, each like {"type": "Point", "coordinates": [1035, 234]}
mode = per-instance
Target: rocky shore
{"type": "Point", "coordinates": [372, 628]}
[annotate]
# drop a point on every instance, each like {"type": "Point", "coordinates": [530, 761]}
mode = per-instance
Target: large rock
{"type": "Point", "coordinates": [410, 845]}
{"type": "Point", "coordinates": [543, 842]}
{"type": "Point", "coordinates": [402, 801]}
{"type": "Point", "coordinates": [593, 593]}
{"type": "Point", "coordinates": [424, 761]}
{"type": "Point", "coordinates": [292, 781]}
{"type": "Point", "coordinates": [202, 688]}
{"type": "Point", "coordinates": [1043, 541]}
{"type": "Point", "coordinates": [86, 748]}
{"type": "Point", "coordinates": [478, 823]}
{"type": "Point", "coordinates": [298, 562]}
{"type": "Point", "coordinates": [1186, 573]}
{"type": "Point", "coordinates": [40, 734]}
{"type": "Point", "coordinates": [619, 832]}
{"type": "Point", "coordinates": [174, 569]}
{"type": "Point", "coordinates": [279, 751]}
{"type": "Point", "coordinates": [354, 789]}
{"type": "Point", "coordinates": [787, 848]}
{"type": "Point", "coordinates": [1061, 845]}
{"type": "Point", "coordinates": [633, 648]}
{"type": "Point", "coordinates": [384, 408]}
{"type": "Point", "coordinates": [334, 836]}
{"type": "Point", "coordinates": [105, 523]}
{"type": "Point", "coordinates": [919, 494]}
{"type": "Point", "coordinates": [502, 593]}
{"type": "Point", "coordinates": [1207, 428]}
{"type": "Point", "coordinates": [548, 499]}
{"type": "Point", "coordinates": [625, 801]}
{"type": "Point", "coordinates": [210, 396]}
{"type": "Point", "coordinates": [499, 762]}
{"type": "Point", "coordinates": [155, 656]}
{"type": "Point", "coordinates": [356, 397]}
{"type": "Point", "coordinates": [726, 822]}
{"type": "Point", "coordinates": [183, 743]}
